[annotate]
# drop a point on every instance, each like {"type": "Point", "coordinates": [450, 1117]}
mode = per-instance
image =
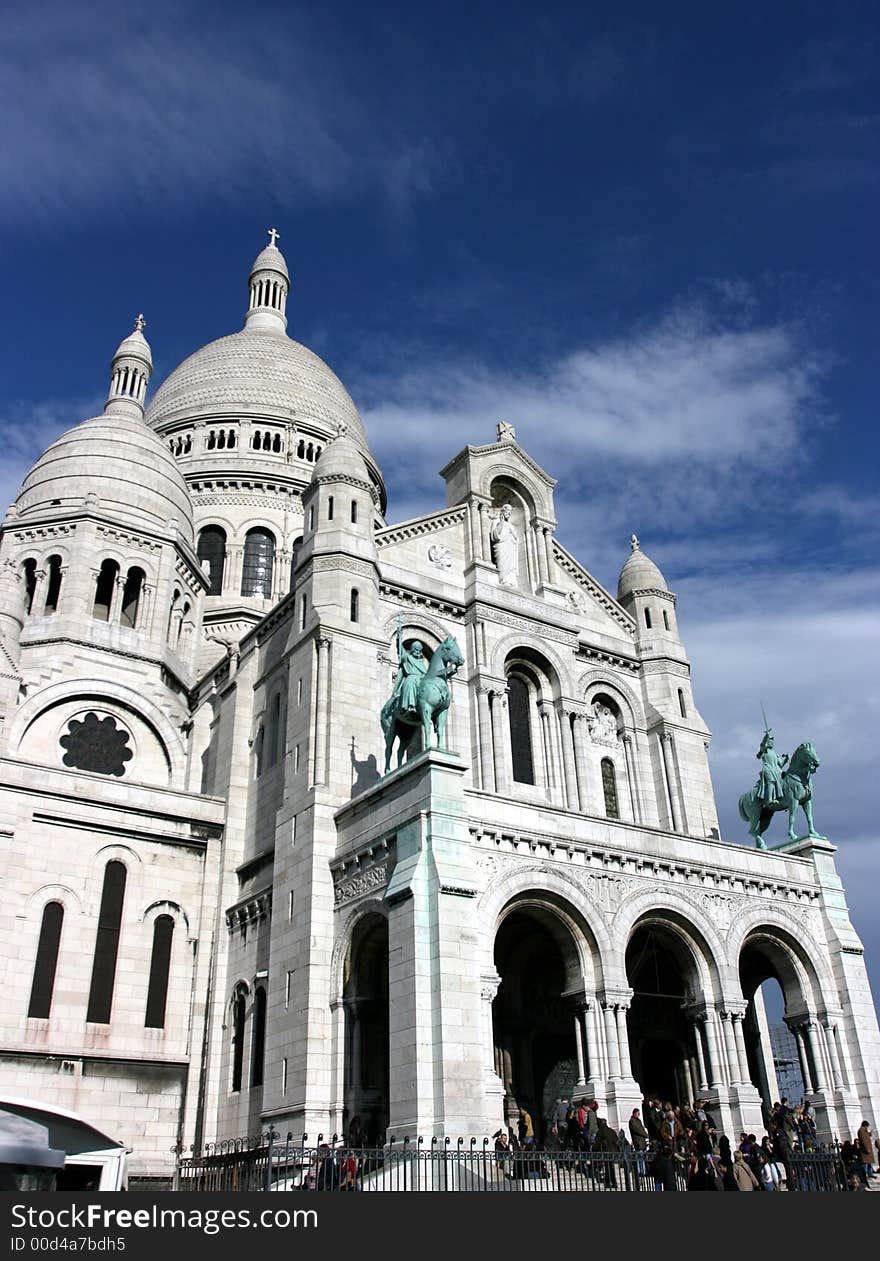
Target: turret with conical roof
{"type": "Point", "coordinates": [130, 374]}
{"type": "Point", "coordinates": [269, 284]}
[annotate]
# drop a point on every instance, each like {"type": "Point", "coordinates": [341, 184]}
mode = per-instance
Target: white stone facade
{"type": "Point", "coordinates": [544, 907]}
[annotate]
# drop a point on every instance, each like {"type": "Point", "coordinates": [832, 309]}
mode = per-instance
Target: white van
{"type": "Point", "coordinates": [93, 1161]}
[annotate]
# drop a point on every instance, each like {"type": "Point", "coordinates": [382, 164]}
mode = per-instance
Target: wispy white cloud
{"type": "Point", "coordinates": [107, 109]}
{"type": "Point", "coordinates": [26, 429]}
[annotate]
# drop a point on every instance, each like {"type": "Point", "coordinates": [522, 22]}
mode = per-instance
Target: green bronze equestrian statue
{"type": "Point", "coordinates": [421, 696]}
{"type": "Point", "coordinates": [780, 787]}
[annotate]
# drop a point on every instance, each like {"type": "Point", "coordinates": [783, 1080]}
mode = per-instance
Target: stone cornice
{"type": "Point", "coordinates": [501, 448]}
{"type": "Point", "coordinates": [418, 599]}
{"type": "Point", "coordinates": [250, 910]}
{"type": "Point", "coordinates": [416, 527]}
{"type": "Point", "coordinates": [521, 622]}
{"type": "Point", "coordinates": [587, 652]}
{"type": "Point", "coordinates": [570, 566]}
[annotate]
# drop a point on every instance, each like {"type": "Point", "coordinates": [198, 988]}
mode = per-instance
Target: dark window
{"type": "Point", "coordinates": [330, 508]}
{"type": "Point", "coordinates": [259, 561]}
{"type": "Point", "coordinates": [53, 591]}
{"type": "Point", "coordinates": [666, 619]}
{"type": "Point", "coordinates": [681, 704]}
{"type": "Point", "coordinates": [160, 968]}
{"type": "Point", "coordinates": [258, 1041]}
{"type": "Point", "coordinates": [609, 788]}
{"type": "Point", "coordinates": [648, 618]}
{"type": "Point", "coordinates": [353, 609]}
{"type": "Point", "coordinates": [104, 588]}
{"type": "Point", "coordinates": [259, 745]}
{"type": "Point", "coordinates": [30, 584]}
{"type": "Point", "coordinates": [237, 1040]}
{"type": "Point", "coordinates": [302, 613]}
{"type": "Point", "coordinates": [272, 740]}
{"type": "Point", "coordinates": [294, 557]}
{"type": "Point", "coordinates": [212, 551]}
{"type": "Point", "coordinates": [107, 944]}
{"type": "Point", "coordinates": [96, 744]}
{"type": "Point", "coordinates": [354, 511]}
{"type": "Point", "coordinates": [47, 961]}
{"type": "Point", "coordinates": [173, 614]}
{"type": "Point", "coordinates": [518, 706]}
{"type": "Point", "coordinates": [131, 596]}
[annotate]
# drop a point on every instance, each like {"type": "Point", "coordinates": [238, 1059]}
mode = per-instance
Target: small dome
{"type": "Point", "coordinates": [120, 461]}
{"type": "Point", "coordinates": [341, 458]}
{"type": "Point", "coordinates": [639, 574]}
{"type": "Point", "coordinates": [258, 373]}
{"type": "Point", "coordinates": [271, 259]}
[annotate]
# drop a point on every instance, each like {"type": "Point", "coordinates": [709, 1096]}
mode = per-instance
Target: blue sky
{"type": "Point", "coordinates": [638, 232]}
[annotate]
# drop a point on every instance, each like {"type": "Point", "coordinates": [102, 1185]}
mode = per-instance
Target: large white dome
{"type": "Point", "coordinates": [122, 462]}
{"type": "Point", "coordinates": [257, 373]}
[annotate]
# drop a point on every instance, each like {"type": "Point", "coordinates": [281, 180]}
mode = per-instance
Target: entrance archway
{"type": "Point", "coordinates": [779, 1061]}
{"type": "Point", "coordinates": [536, 1056]}
{"type": "Point", "coordinates": [365, 1000]}
{"type": "Point", "coordinates": [662, 975]}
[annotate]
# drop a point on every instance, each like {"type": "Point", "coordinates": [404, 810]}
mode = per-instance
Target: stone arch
{"type": "Point", "coordinates": [95, 691]}
{"type": "Point", "coordinates": [708, 948]}
{"type": "Point", "coordinates": [594, 681]}
{"type": "Point", "coordinates": [566, 898]}
{"type": "Point", "coordinates": [62, 893]}
{"type": "Point", "coordinates": [133, 863]}
{"type": "Point", "coordinates": [163, 906]}
{"type": "Point", "coordinates": [416, 622]}
{"type": "Point", "coordinates": [518, 640]}
{"type": "Point", "coordinates": [342, 945]}
{"type": "Point", "coordinates": [508, 472]}
{"type": "Point", "coordinates": [798, 974]}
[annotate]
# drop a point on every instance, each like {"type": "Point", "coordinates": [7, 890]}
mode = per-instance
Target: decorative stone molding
{"type": "Point", "coordinates": [350, 564]}
{"type": "Point", "coordinates": [614, 659]}
{"type": "Point", "coordinates": [588, 584]}
{"type": "Point", "coordinates": [358, 885]}
{"type": "Point", "coordinates": [35, 534]}
{"type": "Point", "coordinates": [286, 501]}
{"type": "Point", "coordinates": [125, 538]}
{"type": "Point", "coordinates": [666, 665]}
{"type": "Point", "coordinates": [525, 625]}
{"type": "Point", "coordinates": [249, 910]}
{"type": "Point", "coordinates": [362, 872]}
{"type": "Point", "coordinates": [417, 599]}
{"type": "Point", "coordinates": [421, 526]}
{"type": "Point", "coordinates": [439, 556]}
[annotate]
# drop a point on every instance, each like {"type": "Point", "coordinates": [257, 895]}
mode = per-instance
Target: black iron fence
{"type": "Point", "coordinates": [267, 1163]}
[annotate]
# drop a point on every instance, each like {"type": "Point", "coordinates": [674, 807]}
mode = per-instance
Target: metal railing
{"type": "Point", "coordinates": [264, 1163]}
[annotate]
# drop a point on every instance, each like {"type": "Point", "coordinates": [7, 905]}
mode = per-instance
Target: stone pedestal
{"type": "Point", "coordinates": [436, 1033]}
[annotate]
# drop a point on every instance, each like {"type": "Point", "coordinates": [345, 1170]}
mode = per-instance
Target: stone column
{"type": "Point", "coordinates": [579, 1052]}
{"type": "Point", "coordinates": [232, 572]}
{"type": "Point", "coordinates": [834, 1058]}
{"type": "Point", "coordinates": [580, 760]}
{"type": "Point", "coordinates": [611, 1039]}
{"type": "Point", "coordinates": [733, 1069]}
{"type": "Point", "coordinates": [499, 739]}
{"type": "Point", "coordinates": [540, 551]}
{"type": "Point", "coordinates": [485, 532]}
{"type": "Point", "coordinates": [669, 779]}
{"type": "Point", "coordinates": [484, 721]}
{"type": "Point", "coordinates": [548, 547]}
{"type": "Point", "coordinates": [571, 794]}
{"type": "Point", "coordinates": [620, 1011]}
{"type": "Point", "coordinates": [814, 1056]}
{"type": "Point", "coordinates": [713, 1048]}
{"type": "Point", "coordinates": [627, 739]}
{"type": "Point", "coordinates": [489, 983]}
{"type": "Point", "coordinates": [738, 1018]}
{"type": "Point", "coordinates": [322, 646]}
{"type": "Point", "coordinates": [545, 709]}
{"type": "Point", "coordinates": [475, 530]}
{"type": "Point", "coordinates": [701, 1063]}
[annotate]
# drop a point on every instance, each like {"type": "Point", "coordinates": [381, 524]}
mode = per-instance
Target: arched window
{"type": "Point", "coordinates": [301, 449]}
{"type": "Point", "coordinates": [184, 614]}
{"type": "Point", "coordinates": [107, 944]}
{"type": "Point", "coordinates": [354, 511]}
{"type": "Point", "coordinates": [294, 557]}
{"type": "Point", "coordinates": [520, 730]}
{"type": "Point", "coordinates": [302, 612]}
{"type": "Point", "coordinates": [330, 508]}
{"type": "Point", "coordinates": [258, 1040]}
{"type": "Point", "coordinates": [276, 444]}
{"type": "Point", "coordinates": [131, 596]}
{"type": "Point", "coordinates": [43, 983]}
{"type": "Point", "coordinates": [648, 618]}
{"type": "Point", "coordinates": [238, 1014]}
{"type": "Point", "coordinates": [230, 439]}
{"type": "Point", "coordinates": [53, 591]}
{"type": "Point", "coordinates": [259, 561]}
{"type": "Point", "coordinates": [212, 552]}
{"type": "Point", "coordinates": [105, 585]}
{"type": "Point", "coordinates": [259, 748]}
{"type": "Point", "coordinates": [681, 705]}
{"type": "Point", "coordinates": [173, 614]}
{"type": "Point", "coordinates": [30, 584]}
{"type": "Point", "coordinates": [609, 789]}
{"type": "Point", "coordinates": [274, 730]}
{"type": "Point", "coordinates": [212, 440]}
{"type": "Point", "coordinates": [160, 968]}
{"type": "Point", "coordinates": [666, 619]}
{"type": "Point", "coordinates": [353, 607]}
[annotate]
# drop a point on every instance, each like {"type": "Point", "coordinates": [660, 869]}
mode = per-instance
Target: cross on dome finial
{"type": "Point", "coordinates": [634, 542]}
{"type": "Point", "coordinates": [140, 324]}
{"type": "Point", "coordinates": [273, 237]}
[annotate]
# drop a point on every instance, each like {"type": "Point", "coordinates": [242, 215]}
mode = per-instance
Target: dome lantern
{"type": "Point", "coordinates": [130, 373]}
{"type": "Point", "coordinates": [269, 285]}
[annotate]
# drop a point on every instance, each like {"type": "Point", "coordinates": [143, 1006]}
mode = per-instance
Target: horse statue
{"type": "Point", "coordinates": [421, 698]}
{"type": "Point", "coordinates": [796, 790]}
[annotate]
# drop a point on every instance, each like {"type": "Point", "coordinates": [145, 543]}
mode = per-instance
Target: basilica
{"type": "Point", "coordinates": [233, 899]}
